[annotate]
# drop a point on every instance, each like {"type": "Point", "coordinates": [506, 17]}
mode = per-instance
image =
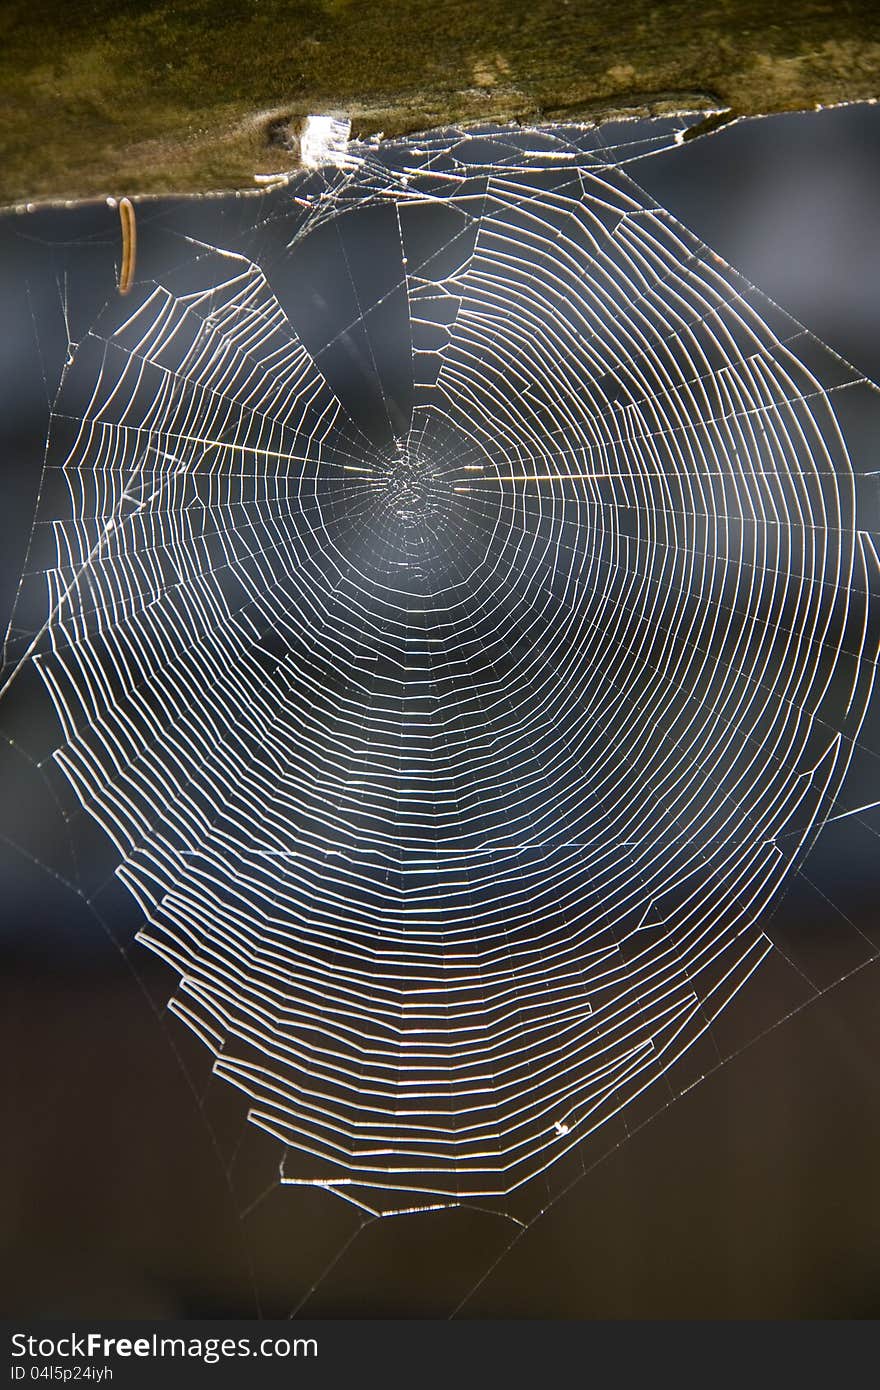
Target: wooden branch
{"type": "Point", "coordinates": [132, 97]}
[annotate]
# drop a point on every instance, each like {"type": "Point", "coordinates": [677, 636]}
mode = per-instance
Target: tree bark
{"type": "Point", "coordinates": [132, 98]}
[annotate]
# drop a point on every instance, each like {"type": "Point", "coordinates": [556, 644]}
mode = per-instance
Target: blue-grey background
{"type": "Point", "coordinates": [127, 1176]}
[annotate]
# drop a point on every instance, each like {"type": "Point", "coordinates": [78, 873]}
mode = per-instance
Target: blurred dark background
{"type": "Point", "coordinates": [131, 1186]}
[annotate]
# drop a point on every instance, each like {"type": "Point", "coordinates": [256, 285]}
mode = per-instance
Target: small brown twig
{"type": "Point", "coordinates": [129, 244]}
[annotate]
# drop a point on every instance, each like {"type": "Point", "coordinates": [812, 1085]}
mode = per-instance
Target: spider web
{"type": "Point", "coordinates": [461, 686]}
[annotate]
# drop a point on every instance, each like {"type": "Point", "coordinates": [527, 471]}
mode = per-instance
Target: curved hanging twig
{"type": "Point", "coordinates": [129, 244]}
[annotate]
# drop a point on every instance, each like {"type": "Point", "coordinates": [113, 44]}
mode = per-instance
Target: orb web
{"type": "Point", "coordinates": [455, 753]}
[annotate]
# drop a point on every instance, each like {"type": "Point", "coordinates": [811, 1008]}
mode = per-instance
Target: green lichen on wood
{"type": "Point", "coordinates": [193, 95]}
